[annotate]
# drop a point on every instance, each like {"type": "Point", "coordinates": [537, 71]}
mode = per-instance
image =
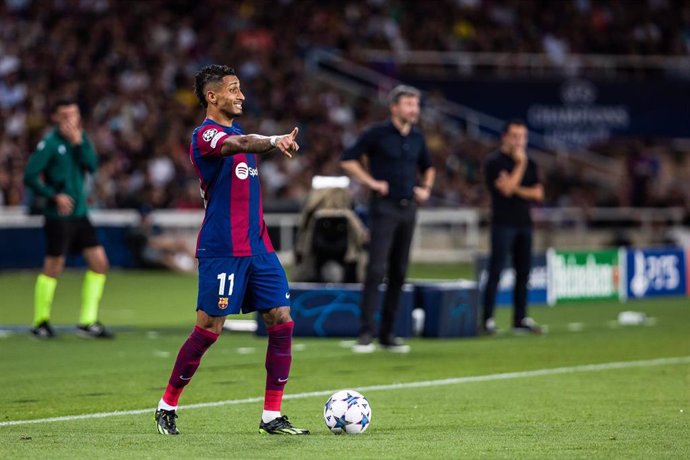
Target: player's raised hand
{"type": "Point", "coordinates": [287, 143]}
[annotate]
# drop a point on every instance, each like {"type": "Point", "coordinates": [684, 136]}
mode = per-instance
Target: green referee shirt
{"type": "Point", "coordinates": [57, 166]}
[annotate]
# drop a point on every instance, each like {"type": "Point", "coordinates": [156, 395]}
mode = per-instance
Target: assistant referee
{"type": "Point", "coordinates": [400, 177]}
{"type": "Point", "coordinates": [56, 172]}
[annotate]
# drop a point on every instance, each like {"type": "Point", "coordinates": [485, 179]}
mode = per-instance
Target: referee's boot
{"type": "Point", "coordinates": [43, 330]}
{"type": "Point", "coordinates": [94, 331]}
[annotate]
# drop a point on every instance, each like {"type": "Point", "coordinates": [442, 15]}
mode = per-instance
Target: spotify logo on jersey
{"type": "Point", "coordinates": [242, 171]}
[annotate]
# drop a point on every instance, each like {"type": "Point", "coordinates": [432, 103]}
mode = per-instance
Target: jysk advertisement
{"type": "Point", "coordinates": [656, 272]}
{"type": "Point", "coordinates": [584, 275]}
{"type": "Point", "coordinates": [536, 293]}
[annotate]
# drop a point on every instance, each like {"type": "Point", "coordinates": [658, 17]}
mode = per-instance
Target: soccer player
{"type": "Point", "coordinates": [56, 171]}
{"type": "Point", "coordinates": [238, 268]}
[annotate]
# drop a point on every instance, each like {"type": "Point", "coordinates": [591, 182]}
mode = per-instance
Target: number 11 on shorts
{"type": "Point", "coordinates": [221, 288]}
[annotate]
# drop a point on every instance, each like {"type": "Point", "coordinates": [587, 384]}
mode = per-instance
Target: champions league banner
{"type": "Point", "coordinates": [656, 272]}
{"type": "Point", "coordinates": [577, 112]}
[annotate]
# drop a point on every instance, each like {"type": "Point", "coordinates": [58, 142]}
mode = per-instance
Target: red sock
{"type": "Point", "coordinates": [187, 362]}
{"type": "Point", "coordinates": [278, 360]}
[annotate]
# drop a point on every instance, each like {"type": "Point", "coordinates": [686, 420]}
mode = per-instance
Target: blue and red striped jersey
{"type": "Point", "coordinates": [234, 224]}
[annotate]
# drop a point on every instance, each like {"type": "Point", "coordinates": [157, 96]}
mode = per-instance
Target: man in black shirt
{"type": "Point", "coordinates": [400, 176]}
{"type": "Point", "coordinates": [512, 179]}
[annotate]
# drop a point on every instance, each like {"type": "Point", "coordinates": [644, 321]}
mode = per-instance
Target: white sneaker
{"type": "Point", "coordinates": [489, 327]}
{"type": "Point", "coordinates": [369, 348]}
{"type": "Point", "coordinates": [364, 344]}
{"type": "Point", "coordinates": [528, 326]}
{"type": "Point", "coordinates": [394, 345]}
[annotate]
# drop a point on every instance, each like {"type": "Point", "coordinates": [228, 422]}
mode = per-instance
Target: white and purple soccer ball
{"type": "Point", "coordinates": [347, 412]}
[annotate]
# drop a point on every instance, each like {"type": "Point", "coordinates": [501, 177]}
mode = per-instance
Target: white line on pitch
{"type": "Point", "coordinates": [392, 386]}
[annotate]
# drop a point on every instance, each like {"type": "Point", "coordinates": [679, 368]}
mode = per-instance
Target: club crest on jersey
{"type": "Point", "coordinates": [208, 134]}
{"type": "Point", "coordinates": [242, 171]}
{"type": "Point", "coordinates": [222, 303]}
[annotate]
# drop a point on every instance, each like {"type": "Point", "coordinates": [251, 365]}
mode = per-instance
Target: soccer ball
{"type": "Point", "coordinates": [347, 412]}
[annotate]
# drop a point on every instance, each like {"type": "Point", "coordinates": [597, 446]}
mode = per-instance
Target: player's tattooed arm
{"type": "Point", "coordinates": [249, 143]}
{"type": "Point", "coordinates": [255, 143]}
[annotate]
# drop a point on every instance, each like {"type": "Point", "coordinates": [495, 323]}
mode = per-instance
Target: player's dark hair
{"type": "Point", "coordinates": [213, 73]}
{"type": "Point", "coordinates": [513, 122]}
{"type": "Point", "coordinates": [61, 103]}
{"type": "Point", "coordinates": [401, 91]}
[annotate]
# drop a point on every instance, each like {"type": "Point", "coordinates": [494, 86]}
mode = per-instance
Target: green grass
{"type": "Point", "coordinates": [619, 413]}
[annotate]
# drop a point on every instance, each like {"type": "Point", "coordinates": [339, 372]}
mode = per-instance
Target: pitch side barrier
{"type": "Point", "coordinates": [449, 308]}
{"type": "Point", "coordinates": [559, 276]}
{"type": "Point", "coordinates": [621, 274]}
{"type": "Point", "coordinates": [443, 235]}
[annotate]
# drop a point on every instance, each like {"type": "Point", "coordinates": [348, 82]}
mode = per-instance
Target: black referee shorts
{"type": "Point", "coordinates": [65, 237]}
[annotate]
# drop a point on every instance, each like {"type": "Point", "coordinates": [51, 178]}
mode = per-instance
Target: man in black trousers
{"type": "Point", "coordinates": [400, 177]}
{"type": "Point", "coordinates": [512, 179]}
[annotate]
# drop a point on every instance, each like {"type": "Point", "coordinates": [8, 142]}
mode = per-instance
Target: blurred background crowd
{"type": "Point", "coordinates": [130, 64]}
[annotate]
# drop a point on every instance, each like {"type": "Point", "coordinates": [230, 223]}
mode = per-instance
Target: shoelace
{"type": "Point", "coordinates": [282, 422]}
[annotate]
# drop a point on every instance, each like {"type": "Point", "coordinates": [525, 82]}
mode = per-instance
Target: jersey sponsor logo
{"type": "Point", "coordinates": [242, 171]}
{"type": "Point", "coordinates": [62, 150]}
{"type": "Point", "coordinates": [222, 303]}
{"type": "Point", "coordinates": [287, 295]}
{"type": "Point", "coordinates": [208, 134]}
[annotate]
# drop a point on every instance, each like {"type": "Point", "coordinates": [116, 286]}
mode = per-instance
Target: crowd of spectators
{"type": "Point", "coordinates": [647, 27]}
{"type": "Point", "coordinates": [130, 65]}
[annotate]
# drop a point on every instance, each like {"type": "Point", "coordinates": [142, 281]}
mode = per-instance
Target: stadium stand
{"type": "Point", "coordinates": [130, 65]}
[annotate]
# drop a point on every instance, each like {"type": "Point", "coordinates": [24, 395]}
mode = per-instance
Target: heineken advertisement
{"type": "Point", "coordinates": [584, 275]}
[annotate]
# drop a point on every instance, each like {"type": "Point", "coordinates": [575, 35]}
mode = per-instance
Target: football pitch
{"type": "Point", "coordinates": [590, 388]}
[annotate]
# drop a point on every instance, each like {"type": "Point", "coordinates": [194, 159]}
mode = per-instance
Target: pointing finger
{"type": "Point", "coordinates": [294, 132]}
